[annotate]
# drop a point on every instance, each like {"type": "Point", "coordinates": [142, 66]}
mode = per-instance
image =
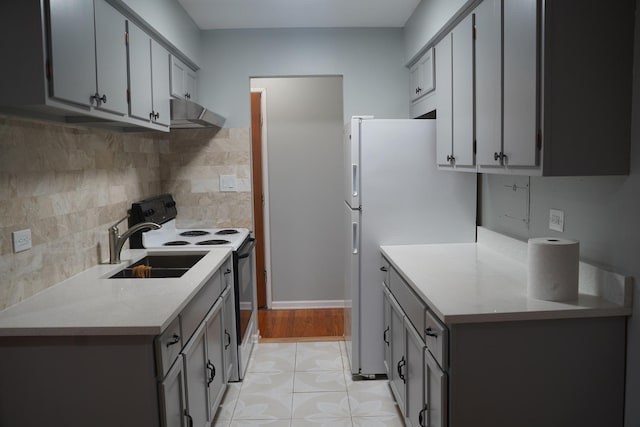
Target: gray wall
{"type": "Point", "coordinates": [603, 213]}
{"type": "Point", "coordinates": [304, 137]}
{"type": "Point", "coordinates": [371, 61]}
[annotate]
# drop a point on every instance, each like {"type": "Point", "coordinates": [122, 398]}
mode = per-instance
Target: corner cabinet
{"type": "Point", "coordinates": [534, 87]}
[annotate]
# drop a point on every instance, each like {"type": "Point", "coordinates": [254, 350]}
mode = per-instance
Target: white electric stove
{"type": "Point", "coordinates": [162, 210]}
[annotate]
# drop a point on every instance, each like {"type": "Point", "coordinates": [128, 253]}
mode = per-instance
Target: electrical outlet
{"type": "Point", "coordinates": [556, 220]}
{"type": "Point", "coordinates": [21, 240]}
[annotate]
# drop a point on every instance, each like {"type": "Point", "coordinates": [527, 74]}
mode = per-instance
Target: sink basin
{"type": "Point", "coordinates": [155, 273]}
{"type": "Point", "coordinates": [162, 266]}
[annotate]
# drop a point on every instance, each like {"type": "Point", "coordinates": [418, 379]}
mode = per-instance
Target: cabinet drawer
{"type": "Point", "coordinates": [168, 347]}
{"type": "Point", "coordinates": [412, 306]}
{"type": "Point", "coordinates": [436, 338]}
{"type": "Point", "coordinates": [196, 310]}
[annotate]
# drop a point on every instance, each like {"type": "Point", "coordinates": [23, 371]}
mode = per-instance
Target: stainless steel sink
{"type": "Point", "coordinates": [162, 266]}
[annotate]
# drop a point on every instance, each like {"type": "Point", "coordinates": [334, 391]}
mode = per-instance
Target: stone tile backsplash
{"type": "Point", "coordinates": [69, 184]}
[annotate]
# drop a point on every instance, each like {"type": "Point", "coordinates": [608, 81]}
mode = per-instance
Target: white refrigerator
{"type": "Point", "coordinates": [394, 194]}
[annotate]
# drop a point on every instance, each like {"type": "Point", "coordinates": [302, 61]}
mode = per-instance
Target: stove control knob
{"type": "Point", "coordinates": [170, 204]}
{"type": "Point", "coordinates": [148, 212]}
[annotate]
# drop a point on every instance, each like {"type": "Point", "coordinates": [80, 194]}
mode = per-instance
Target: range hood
{"type": "Point", "coordinates": [189, 115]}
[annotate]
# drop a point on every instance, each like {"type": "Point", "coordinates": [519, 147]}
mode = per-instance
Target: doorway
{"type": "Point", "coordinates": [297, 128]}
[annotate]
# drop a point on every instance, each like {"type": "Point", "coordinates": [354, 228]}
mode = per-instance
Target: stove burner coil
{"type": "Point", "coordinates": [176, 243]}
{"type": "Point", "coordinates": [194, 233]}
{"type": "Point", "coordinates": [227, 231]}
{"type": "Point", "coordinates": [213, 242]}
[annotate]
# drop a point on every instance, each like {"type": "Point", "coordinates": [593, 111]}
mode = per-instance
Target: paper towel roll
{"type": "Point", "coordinates": [552, 273]}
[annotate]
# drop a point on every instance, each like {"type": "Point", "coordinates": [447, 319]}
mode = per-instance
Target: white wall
{"type": "Point", "coordinates": [170, 19]}
{"type": "Point", "coordinates": [370, 60]}
{"type": "Point", "coordinates": [603, 213]}
{"type": "Point", "coordinates": [426, 21]}
{"type": "Point", "coordinates": [304, 137]}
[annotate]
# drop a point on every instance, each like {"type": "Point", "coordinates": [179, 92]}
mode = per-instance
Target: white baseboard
{"type": "Point", "coordinates": [284, 305]}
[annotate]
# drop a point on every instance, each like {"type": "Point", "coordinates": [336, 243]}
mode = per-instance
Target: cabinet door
{"type": "Point", "coordinates": [434, 412]}
{"type": "Point", "coordinates": [172, 398]}
{"type": "Point", "coordinates": [195, 367]}
{"type": "Point", "coordinates": [427, 75]}
{"type": "Point", "coordinates": [416, 81]}
{"type": "Point", "coordinates": [488, 21]}
{"type": "Point", "coordinates": [444, 102]}
{"type": "Point", "coordinates": [229, 339]}
{"type": "Point", "coordinates": [178, 70]}
{"type": "Point", "coordinates": [415, 374]}
{"type": "Point", "coordinates": [386, 335]}
{"type": "Point", "coordinates": [139, 55]}
{"type": "Point", "coordinates": [160, 87]}
{"type": "Point", "coordinates": [73, 51]}
{"type": "Point", "coordinates": [191, 84]}
{"type": "Point", "coordinates": [462, 84]}
{"type": "Point", "coordinates": [215, 363]}
{"type": "Point", "coordinates": [398, 367]}
{"type": "Point", "coordinates": [520, 82]}
{"type": "Point", "coordinates": [111, 59]}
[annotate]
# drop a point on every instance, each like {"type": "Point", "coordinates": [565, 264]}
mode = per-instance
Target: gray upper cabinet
{"type": "Point", "coordinates": [489, 82]}
{"type": "Point", "coordinates": [160, 83]}
{"type": "Point", "coordinates": [88, 55]}
{"type": "Point", "coordinates": [567, 73]}
{"type": "Point", "coordinates": [111, 59]}
{"type": "Point", "coordinates": [184, 81]}
{"type": "Point", "coordinates": [73, 45]}
{"type": "Point", "coordinates": [148, 77]}
{"type": "Point", "coordinates": [422, 76]}
{"type": "Point", "coordinates": [72, 63]}
{"type": "Point", "coordinates": [455, 108]}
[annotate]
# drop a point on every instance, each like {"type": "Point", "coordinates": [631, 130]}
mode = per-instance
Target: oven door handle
{"type": "Point", "coordinates": [246, 250]}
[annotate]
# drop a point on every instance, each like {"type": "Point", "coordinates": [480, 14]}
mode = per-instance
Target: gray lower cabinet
{"type": "Point", "coordinates": [526, 373]}
{"type": "Point", "coordinates": [175, 379]}
{"type": "Point", "coordinates": [172, 398]}
{"type": "Point", "coordinates": [230, 347]}
{"type": "Point", "coordinates": [216, 382]}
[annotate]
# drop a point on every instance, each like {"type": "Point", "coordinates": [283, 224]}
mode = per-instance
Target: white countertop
{"type": "Point", "coordinates": [91, 304]}
{"type": "Point", "coordinates": [474, 282]}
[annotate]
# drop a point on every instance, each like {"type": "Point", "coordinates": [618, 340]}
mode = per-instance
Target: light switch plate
{"type": "Point", "coordinates": [228, 183]}
{"type": "Point", "coordinates": [21, 240]}
{"type": "Point", "coordinates": [556, 220]}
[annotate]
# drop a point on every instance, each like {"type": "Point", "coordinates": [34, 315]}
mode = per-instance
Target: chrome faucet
{"type": "Point", "coordinates": [116, 241]}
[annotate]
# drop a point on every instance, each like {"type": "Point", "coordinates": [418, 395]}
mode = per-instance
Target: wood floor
{"type": "Point", "coordinates": [301, 324]}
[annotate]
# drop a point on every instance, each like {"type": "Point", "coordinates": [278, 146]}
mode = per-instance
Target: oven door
{"type": "Point", "coordinates": [246, 304]}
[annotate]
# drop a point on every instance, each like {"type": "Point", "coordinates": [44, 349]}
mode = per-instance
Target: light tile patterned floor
{"type": "Point", "coordinates": [305, 384]}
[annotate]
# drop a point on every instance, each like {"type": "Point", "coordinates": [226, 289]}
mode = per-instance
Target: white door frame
{"type": "Point", "coordinates": [265, 191]}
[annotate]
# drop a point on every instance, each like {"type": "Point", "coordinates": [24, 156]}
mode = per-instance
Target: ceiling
{"type": "Point", "coordinates": [226, 14]}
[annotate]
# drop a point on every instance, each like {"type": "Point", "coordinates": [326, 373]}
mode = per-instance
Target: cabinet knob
{"type": "Point", "coordinates": [212, 368]}
{"type": "Point", "coordinates": [175, 339]}
{"type": "Point", "coordinates": [383, 269]}
{"type": "Point", "coordinates": [226, 334]}
{"type": "Point", "coordinates": [384, 336]}
{"type": "Point", "coordinates": [499, 156]}
{"type": "Point", "coordinates": [189, 418]}
{"type": "Point", "coordinates": [401, 363]}
{"type": "Point", "coordinates": [103, 98]}
{"type": "Point", "coordinates": [450, 159]}
{"type": "Point", "coordinates": [156, 116]}
{"type": "Point", "coordinates": [429, 332]}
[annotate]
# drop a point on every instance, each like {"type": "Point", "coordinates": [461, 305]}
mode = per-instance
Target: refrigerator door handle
{"type": "Point", "coordinates": [354, 236]}
{"type": "Point", "coordinates": [354, 180]}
